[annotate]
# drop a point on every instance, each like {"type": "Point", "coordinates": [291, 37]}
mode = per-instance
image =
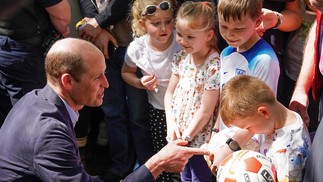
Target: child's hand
{"type": "Point", "coordinates": [173, 132]}
{"type": "Point", "coordinates": [149, 82]}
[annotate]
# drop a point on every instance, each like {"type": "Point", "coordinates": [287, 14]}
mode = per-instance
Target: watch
{"type": "Point", "coordinates": [233, 145]}
{"type": "Point", "coordinates": [279, 20]}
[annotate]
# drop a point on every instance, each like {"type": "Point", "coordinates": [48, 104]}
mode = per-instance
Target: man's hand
{"type": "Point", "coordinates": [172, 158]}
{"type": "Point", "coordinates": [91, 30]}
{"type": "Point", "coordinates": [102, 42]}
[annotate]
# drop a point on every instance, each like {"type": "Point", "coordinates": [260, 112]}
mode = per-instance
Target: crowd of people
{"type": "Point", "coordinates": [167, 76]}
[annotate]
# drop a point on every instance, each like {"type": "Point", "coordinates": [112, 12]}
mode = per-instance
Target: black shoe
{"type": "Point", "coordinates": [110, 177]}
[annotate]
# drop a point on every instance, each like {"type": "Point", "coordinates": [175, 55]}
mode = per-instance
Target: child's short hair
{"type": "Point", "coordinates": [137, 12]}
{"type": "Point", "coordinates": [242, 95]}
{"type": "Point", "coordinates": [235, 9]}
{"type": "Point", "coordinates": [200, 15]}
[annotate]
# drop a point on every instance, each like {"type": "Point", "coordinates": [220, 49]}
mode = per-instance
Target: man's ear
{"type": "Point", "coordinates": [264, 111]}
{"type": "Point", "coordinates": [66, 80]}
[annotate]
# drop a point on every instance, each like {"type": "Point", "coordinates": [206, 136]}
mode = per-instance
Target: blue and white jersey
{"type": "Point", "coordinates": [259, 61]}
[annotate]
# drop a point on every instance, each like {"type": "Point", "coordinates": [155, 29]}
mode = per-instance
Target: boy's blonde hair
{"type": "Point", "coordinates": [241, 96]}
{"type": "Point", "coordinates": [137, 8]}
{"type": "Point", "coordinates": [200, 15]}
{"type": "Point", "coordinates": [235, 9]}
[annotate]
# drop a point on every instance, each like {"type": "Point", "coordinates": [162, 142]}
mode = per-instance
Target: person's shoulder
{"type": "Point", "coordinates": [262, 50]}
{"type": "Point", "coordinates": [137, 46]}
{"type": "Point", "coordinates": [38, 111]}
{"type": "Point", "coordinates": [138, 42]}
{"type": "Point", "coordinates": [227, 51]}
{"type": "Point", "coordinates": [263, 45]}
{"type": "Point", "coordinates": [180, 55]}
{"type": "Point", "coordinates": [214, 58]}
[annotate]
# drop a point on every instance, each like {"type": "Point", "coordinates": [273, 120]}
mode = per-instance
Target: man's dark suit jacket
{"type": "Point", "coordinates": [37, 143]}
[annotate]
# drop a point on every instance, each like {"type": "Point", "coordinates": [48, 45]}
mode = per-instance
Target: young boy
{"type": "Point", "coordinates": [247, 53]}
{"type": "Point", "coordinates": [249, 103]}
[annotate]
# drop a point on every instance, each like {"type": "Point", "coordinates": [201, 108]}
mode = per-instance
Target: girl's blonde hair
{"type": "Point", "coordinates": [201, 17]}
{"type": "Point", "coordinates": [137, 9]}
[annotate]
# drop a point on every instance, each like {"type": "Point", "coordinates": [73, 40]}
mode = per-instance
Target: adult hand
{"type": "Point", "coordinates": [299, 103]}
{"type": "Point", "coordinates": [91, 30]}
{"type": "Point", "coordinates": [102, 42]}
{"type": "Point", "coordinates": [173, 157]}
{"type": "Point", "coordinates": [269, 20]}
{"type": "Point", "coordinates": [318, 4]}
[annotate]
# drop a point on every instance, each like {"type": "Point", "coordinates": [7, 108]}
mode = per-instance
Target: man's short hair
{"type": "Point", "coordinates": [66, 56]}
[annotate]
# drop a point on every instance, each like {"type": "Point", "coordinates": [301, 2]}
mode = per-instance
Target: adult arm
{"type": "Point", "coordinates": [92, 31]}
{"type": "Point", "coordinates": [115, 11]}
{"type": "Point", "coordinates": [291, 18]}
{"type": "Point", "coordinates": [60, 16]}
{"type": "Point", "coordinates": [171, 158]}
{"type": "Point", "coordinates": [299, 100]}
{"type": "Point", "coordinates": [88, 8]}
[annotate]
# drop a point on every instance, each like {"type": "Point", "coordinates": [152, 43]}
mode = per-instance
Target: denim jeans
{"type": "Point", "coordinates": [21, 70]}
{"type": "Point", "coordinates": [127, 123]}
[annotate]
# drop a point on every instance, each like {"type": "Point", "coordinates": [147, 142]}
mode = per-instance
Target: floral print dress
{"type": "Point", "coordinates": [193, 81]}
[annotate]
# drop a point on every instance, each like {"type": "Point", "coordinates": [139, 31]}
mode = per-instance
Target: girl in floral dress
{"type": "Point", "coordinates": [152, 51]}
{"type": "Point", "coordinates": [192, 94]}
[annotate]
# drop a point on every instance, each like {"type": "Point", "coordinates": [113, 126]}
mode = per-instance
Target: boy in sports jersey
{"type": "Point", "coordinates": [247, 54]}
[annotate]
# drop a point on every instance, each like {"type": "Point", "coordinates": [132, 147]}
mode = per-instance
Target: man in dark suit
{"type": "Point", "coordinates": [37, 138]}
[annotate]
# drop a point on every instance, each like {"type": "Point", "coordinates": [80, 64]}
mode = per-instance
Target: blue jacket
{"type": "Point", "coordinates": [37, 143]}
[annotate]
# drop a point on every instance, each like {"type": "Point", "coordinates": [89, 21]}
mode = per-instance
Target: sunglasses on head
{"type": "Point", "coordinates": [151, 9]}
